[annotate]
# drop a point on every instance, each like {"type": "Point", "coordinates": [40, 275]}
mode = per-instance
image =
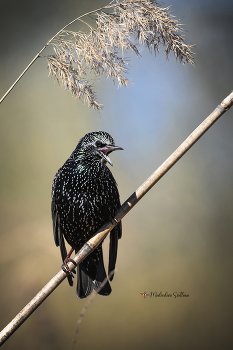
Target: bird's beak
{"type": "Point", "coordinates": [106, 150]}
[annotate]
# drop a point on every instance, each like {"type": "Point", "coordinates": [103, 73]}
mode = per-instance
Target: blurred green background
{"type": "Point", "coordinates": [178, 238]}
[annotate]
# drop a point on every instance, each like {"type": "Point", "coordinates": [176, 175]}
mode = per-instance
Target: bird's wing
{"type": "Point", "coordinates": [115, 234]}
{"type": "Point", "coordinates": [57, 231]}
{"type": "Point", "coordinates": [55, 222]}
{"type": "Point", "coordinates": [58, 236]}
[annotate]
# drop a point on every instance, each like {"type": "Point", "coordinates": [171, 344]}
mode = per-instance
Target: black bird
{"type": "Point", "coordinates": [84, 197]}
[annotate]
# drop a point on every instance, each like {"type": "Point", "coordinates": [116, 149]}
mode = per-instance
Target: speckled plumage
{"type": "Point", "coordinates": [84, 197]}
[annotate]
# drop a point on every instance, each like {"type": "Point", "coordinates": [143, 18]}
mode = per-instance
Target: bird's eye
{"type": "Point", "coordinates": [99, 143]}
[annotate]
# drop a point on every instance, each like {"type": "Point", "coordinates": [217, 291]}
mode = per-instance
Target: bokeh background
{"type": "Point", "coordinates": [178, 238]}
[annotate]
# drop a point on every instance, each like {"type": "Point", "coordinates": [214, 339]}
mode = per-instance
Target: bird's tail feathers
{"type": "Point", "coordinates": [84, 282]}
{"type": "Point", "coordinates": [102, 277]}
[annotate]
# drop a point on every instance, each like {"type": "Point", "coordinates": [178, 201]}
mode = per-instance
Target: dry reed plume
{"type": "Point", "coordinates": [117, 27]}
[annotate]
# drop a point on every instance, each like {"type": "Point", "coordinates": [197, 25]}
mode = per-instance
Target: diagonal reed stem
{"type": "Point", "coordinates": [88, 247]}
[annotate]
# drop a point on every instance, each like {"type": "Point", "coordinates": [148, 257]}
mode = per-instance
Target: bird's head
{"type": "Point", "coordinates": [94, 148]}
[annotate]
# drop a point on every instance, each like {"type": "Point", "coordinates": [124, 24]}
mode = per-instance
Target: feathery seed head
{"type": "Point", "coordinates": [116, 28]}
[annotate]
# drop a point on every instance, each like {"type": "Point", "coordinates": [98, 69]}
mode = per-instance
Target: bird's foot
{"type": "Point", "coordinates": [66, 268]}
{"type": "Point", "coordinates": [113, 220]}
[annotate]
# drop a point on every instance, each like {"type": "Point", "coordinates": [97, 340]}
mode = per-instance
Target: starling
{"type": "Point", "coordinates": [84, 197]}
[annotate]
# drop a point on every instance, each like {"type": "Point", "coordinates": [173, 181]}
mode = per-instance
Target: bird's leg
{"type": "Point", "coordinates": [65, 266]}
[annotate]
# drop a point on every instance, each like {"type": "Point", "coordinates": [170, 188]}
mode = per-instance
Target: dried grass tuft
{"type": "Point", "coordinates": [118, 27]}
